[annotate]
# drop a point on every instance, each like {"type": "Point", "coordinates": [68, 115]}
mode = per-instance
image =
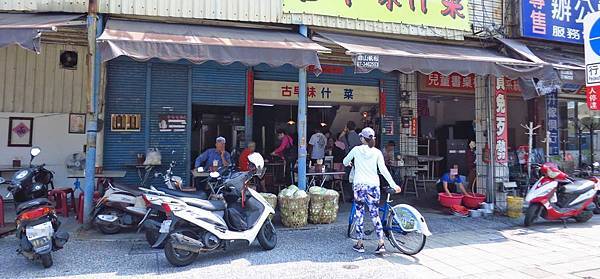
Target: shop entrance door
{"type": "Point", "coordinates": [210, 122]}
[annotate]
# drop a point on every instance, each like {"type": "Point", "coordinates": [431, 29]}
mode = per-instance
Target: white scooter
{"type": "Point", "coordinates": [244, 215]}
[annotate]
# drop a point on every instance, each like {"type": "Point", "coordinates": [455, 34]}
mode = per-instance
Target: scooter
{"type": "Point", "coordinates": [123, 207]}
{"type": "Point", "coordinates": [37, 223]}
{"type": "Point", "coordinates": [243, 216]}
{"type": "Point", "coordinates": [556, 196]}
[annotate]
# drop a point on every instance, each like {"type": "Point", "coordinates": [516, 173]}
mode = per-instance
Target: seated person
{"type": "Point", "coordinates": [214, 157]}
{"type": "Point", "coordinates": [450, 181]}
{"type": "Point", "coordinates": [243, 164]}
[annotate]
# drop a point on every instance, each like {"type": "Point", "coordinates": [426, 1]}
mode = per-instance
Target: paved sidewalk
{"type": "Point", "coordinates": [459, 248]}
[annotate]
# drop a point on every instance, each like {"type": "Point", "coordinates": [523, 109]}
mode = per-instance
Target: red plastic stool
{"type": "Point", "coordinates": [69, 190]}
{"type": "Point", "coordinates": [1, 211]}
{"type": "Point", "coordinates": [79, 216]}
{"type": "Point", "coordinates": [60, 199]}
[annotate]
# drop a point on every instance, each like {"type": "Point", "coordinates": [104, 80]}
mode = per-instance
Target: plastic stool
{"type": "Point", "coordinates": [67, 191]}
{"type": "Point", "coordinates": [79, 216]}
{"type": "Point", "coordinates": [60, 199]}
{"type": "Point", "coordinates": [1, 211]}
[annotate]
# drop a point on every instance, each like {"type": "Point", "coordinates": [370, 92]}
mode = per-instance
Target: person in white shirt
{"type": "Point", "coordinates": [367, 160]}
{"type": "Point", "coordinates": [317, 142]}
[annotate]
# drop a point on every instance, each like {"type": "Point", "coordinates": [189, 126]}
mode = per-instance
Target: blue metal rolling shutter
{"type": "Point", "coordinates": [214, 84]}
{"type": "Point", "coordinates": [125, 93]}
{"type": "Point", "coordinates": [169, 95]}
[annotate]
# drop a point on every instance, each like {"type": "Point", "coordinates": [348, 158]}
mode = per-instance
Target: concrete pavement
{"type": "Point", "coordinates": [459, 248]}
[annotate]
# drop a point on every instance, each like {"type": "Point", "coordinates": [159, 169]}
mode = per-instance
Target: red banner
{"type": "Point", "coordinates": [501, 122]}
{"type": "Point", "coordinates": [592, 94]}
{"type": "Point", "coordinates": [456, 83]}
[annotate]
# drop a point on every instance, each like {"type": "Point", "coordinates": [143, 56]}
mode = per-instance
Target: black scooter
{"type": "Point", "coordinates": [37, 223]}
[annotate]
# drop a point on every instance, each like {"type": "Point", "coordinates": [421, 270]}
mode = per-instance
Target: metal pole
{"type": "Point", "coordinates": [93, 86]}
{"type": "Point", "coordinates": [302, 104]}
{"type": "Point", "coordinates": [490, 189]}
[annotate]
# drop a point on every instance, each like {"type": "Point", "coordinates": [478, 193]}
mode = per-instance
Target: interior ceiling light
{"type": "Point", "coordinates": [291, 121]}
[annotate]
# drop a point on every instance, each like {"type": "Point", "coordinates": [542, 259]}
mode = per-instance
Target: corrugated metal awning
{"type": "Point", "coordinates": [25, 30]}
{"type": "Point", "coordinates": [571, 67]}
{"type": "Point", "coordinates": [197, 43]}
{"type": "Point", "coordinates": [408, 57]}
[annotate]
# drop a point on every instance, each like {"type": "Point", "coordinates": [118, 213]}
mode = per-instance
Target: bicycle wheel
{"type": "Point", "coordinates": [409, 242]}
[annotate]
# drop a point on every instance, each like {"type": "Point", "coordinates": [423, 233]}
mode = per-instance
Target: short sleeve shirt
{"type": "Point", "coordinates": [448, 179]}
{"type": "Point", "coordinates": [318, 142]}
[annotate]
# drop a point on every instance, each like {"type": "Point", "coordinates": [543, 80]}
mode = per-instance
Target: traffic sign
{"type": "Point", "coordinates": [591, 39]}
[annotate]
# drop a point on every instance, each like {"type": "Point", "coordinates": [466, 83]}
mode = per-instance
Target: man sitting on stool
{"type": "Point", "coordinates": [450, 181]}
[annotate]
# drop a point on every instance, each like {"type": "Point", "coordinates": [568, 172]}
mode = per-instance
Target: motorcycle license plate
{"type": "Point", "coordinates": [39, 231]}
{"type": "Point", "coordinates": [164, 227]}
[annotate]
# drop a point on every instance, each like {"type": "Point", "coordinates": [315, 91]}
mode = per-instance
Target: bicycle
{"type": "Point", "coordinates": [401, 224]}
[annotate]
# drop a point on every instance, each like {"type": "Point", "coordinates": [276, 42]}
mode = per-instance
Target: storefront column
{"type": "Point", "coordinates": [483, 140]}
{"type": "Point", "coordinates": [302, 105]}
{"type": "Point", "coordinates": [249, 105]}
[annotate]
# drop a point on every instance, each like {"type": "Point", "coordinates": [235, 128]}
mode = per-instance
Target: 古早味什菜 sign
{"type": "Point", "coordinates": [450, 14]}
{"type": "Point", "coordinates": [266, 90]}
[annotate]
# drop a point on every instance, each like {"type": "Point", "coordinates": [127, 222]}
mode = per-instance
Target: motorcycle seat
{"type": "Point", "coordinates": [128, 188]}
{"type": "Point", "coordinates": [32, 203]}
{"type": "Point", "coordinates": [180, 194]}
{"type": "Point", "coordinates": [210, 205]}
{"type": "Point", "coordinates": [578, 187]}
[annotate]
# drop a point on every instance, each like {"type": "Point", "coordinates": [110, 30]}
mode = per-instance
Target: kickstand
{"type": "Point", "coordinates": [564, 223]}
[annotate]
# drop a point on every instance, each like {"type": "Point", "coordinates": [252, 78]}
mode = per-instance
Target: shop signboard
{"type": "Point", "coordinates": [266, 90]}
{"type": "Point", "coordinates": [591, 26]}
{"type": "Point", "coordinates": [449, 14]}
{"type": "Point", "coordinates": [552, 122]}
{"type": "Point", "coordinates": [556, 20]}
{"type": "Point", "coordinates": [172, 122]}
{"type": "Point", "coordinates": [501, 122]}
{"type": "Point", "coordinates": [436, 82]}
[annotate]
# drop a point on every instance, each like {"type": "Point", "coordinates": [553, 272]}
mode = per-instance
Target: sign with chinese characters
{"type": "Point", "coordinates": [592, 94]}
{"type": "Point", "coordinates": [172, 122]}
{"type": "Point", "coordinates": [266, 90]}
{"type": "Point", "coordinates": [501, 122]}
{"type": "Point", "coordinates": [451, 14]}
{"type": "Point", "coordinates": [366, 62]}
{"type": "Point", "coordinates": [556, 20]}
{"type": "Point", "coordinates": [436, 82]}
{"type": "Point", "coordinates": [125, 122]}
{"type": "Point", "coordinates": [552, 122]}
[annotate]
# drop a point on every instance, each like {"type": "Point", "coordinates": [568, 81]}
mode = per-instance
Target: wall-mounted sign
{"type": "Point", "coordinates": [172, 122]}
{"type": "Point", "coordinates": [501, 122]}
{"type": "Point", "coordinates": [552, 122]}
{"type": "Point", "coordinates": [556, 20]}
{"type": "Point", "coordinates": [592, 96]}
{"type": "Point", "coordinates": [388, 126]}
{"type": "Point", "coordinates": [456, 83]}
{"type": "Point", "coordinates": [450, 14]}
{"type": "Point", "coordinates": [265, 90]}
{"type": "Point", "coordinates": [125, 122]}
{"type": "Point", "coordinates": [366, 62]}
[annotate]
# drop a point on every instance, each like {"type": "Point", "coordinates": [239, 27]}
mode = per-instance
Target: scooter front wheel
{"type": "Point", "coordinates": [533, 212]}
{"type": "Point", "coordinates": [46, 260]}
{"type": "Point", "coordinates": [267, 236]}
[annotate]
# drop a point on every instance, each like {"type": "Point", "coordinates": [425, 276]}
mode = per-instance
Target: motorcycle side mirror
{"type": "Point", "coordinates": [34, 152]}
{"type": "Point", "coordinates": [596, 164]}
{"type": "Point", "coordinates": [214, 174]}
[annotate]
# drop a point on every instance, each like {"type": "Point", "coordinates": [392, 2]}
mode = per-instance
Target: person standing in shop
{"type": "Point", "coordinates": [368, 163]}
{"type": "Point", "coordinates": [349, 136]}
{"type": "Point", "coordinates": [317, 144]}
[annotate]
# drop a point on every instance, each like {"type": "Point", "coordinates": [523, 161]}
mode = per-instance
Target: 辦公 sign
{"type": "Point", "coordinates": [451, 14]}
{"type": "Point", "coordinates": [591, 27]}
{"type": "Point", "coordinates": [267, 90]}
{"type": "Point", "coordinates": [552, 122]}
{"type": "Point", "coordinates": [556, 20]}
{"type": "Point", "coordinates": [501, 122]}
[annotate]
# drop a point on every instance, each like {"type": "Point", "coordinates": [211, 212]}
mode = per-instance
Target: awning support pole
{"type": "Point", "coordinates": [93, 87]}
{"type": "Point", "coordinates": [302, 105]}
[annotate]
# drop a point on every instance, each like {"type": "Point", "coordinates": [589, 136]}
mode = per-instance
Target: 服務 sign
{"type": "Point", "coordinates": [267, 90]}
{"type": "Point", "coordinates": [556, 20]}
{"type": "Point", "coordinates": [451, 14]}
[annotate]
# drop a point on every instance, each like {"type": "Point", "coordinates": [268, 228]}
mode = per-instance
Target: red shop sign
{"type": "Point", "coordinates": [501, 122]}
{"type": "Point", "coordinates": [592, 94]}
